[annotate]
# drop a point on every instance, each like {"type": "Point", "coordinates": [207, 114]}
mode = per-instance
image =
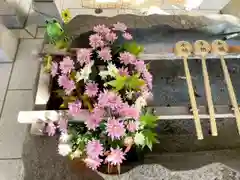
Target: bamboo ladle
{"type": "Point", "coordinates": [202, 48]}
{"type": "Point", "coordinates": [220, 48]}
{"type": "Point", "coordinates": [184, 50]}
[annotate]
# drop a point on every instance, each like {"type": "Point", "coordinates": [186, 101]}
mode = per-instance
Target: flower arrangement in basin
{"type": "Point", "coordinates": [109, 85]}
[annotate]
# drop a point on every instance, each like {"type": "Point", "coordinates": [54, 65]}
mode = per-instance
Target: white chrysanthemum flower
{"type": "Point", "coordinates": [140, 103]}
{"type": "Point", "coordinates": [64, 149]}
{"type": "Point", "coordinates": [76, 154]}
{"type": "Point", "coordinates": [84, 73]}
{"type": "Point", "coordinates": [64, 137]}
{"type": "Point", "coordinates": [112, 70]}
{"type": "Point", "coordinates": [103, 74]}
{"type": "Point", "coordinates": [139, 139]}
{"type": "Point", "coordinates": [129, 94]}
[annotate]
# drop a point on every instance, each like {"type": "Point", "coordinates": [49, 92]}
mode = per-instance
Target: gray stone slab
{"type": "Point", "coordinates": [5, 70]}
{"type": "Point", "coordinates": [41, 161]}
{"type": "Point", "coordinates": [26, 64]}
{"type": "Point", "coordinates": [12, 133]}
{"type": "Point", "coordinates": [11, 170]}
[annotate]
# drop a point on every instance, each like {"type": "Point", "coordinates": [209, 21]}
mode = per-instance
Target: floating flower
{"type": "Point", "coordinates": [92, 122]}
{"type": "Point", "coordinates": [101, 29]}
{"type": "Point", "coordinates": [84, 55]}
{"type": "Point", "coordinates": [91, 89]}
{"type": "Point", "coordinates": [140, 65]}
{"type": "Point", "coordinates": [96, 41]}
{"type": "Point", "coordinates": [147, 76]}
{"type": "Point", "coordinates": [64, 137]}
{"type": "Point", "coordinates": [84, 73]}
{"type": "Point", "coordinates": [123, 71]}
{"type": "Point", "coordinates": [129, 112]}
{"type": "Point", "coordinates": [94, 149]}
{"type": "Point", "coordinates": [66, 65]}
{"type": "Point", "coordinates": [93, 163]}
{"type": "Point", "coordinates": [127, 36]}
{"type": "Point", "coordinates": [112, 70]}
{"type": "Point", "coordinates": [105, 54]}
{"type": "Point", "coordinates": [132, 126]}
{"type": "Point", "coordinates": [115, 157]}
{"type": "Point", "coordinates": [119, 27]}
{"type": "Point", "coordinates": [115, 128]}
{"type": "Point", "coordinates": [77, 153]}
{"type": "Point", "coordinates": [64, 149]}
{"type": "Point", "coordinates": [74, 108]}
{"type": "Point", "coordinates": [54, 69]}
{"type": "Point", "coordinates": [66, 16]}
{"type": "Point", "coordinates": [127, 58]}
{"type": "Point", "coordinates": [139, 139]}
{"type": "Point", "coordinates": [62, 124]}
{"type": "Point", "coordinates": [66, 83]}
{"type": "Point", "coordinates": [51, 129]}
{"type": "Point", "coordinates": [140, 103]}
{"type": "Point", "coordinates": [111, 37]}
{"type": "Point", "coordinates": [109, 99]}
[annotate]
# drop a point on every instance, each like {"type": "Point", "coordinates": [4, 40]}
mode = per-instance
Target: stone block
{"type": "Point", "coordinates": [11, 170]}
{"type": "Point", "coordinates": [5, 70]}
{"type": "Point", "coordinates": [12, 133]}
{"type": "Point", "coordinates": [8, 44]}
{"type": "Point", "coordinates": [26, 64]}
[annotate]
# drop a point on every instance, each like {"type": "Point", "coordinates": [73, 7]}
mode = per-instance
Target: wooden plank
{"type": "Point", "coordinates": [43, 92]}
{"type": "Point", "coordinates": [49, 49]}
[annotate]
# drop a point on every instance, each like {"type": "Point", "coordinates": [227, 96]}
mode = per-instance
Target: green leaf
{"type": "Point", "coordinates": [150, 138]}
{"type": "Point", "coordinates": [119, 83]}
{"type": "Point", "coordinates": [149, 120]}
{"type": "Point", "coordinates": [133, 48]}
{"type": "Point", "coordinates": [134, 82]}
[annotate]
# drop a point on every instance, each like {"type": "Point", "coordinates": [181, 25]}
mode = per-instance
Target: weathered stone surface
{"type": "Point", "coordinates": [12, 133]}
{"type": "Point", "coordinates": [8, 44]}
{"type": "Point", "coordinates": [11, 170]}
{"type": "Point", "coordinates": [5, 70]}
{"type": "Point", "coordinates": [214, 24]}
{"type": "Point", "coordinates": [26, 64]}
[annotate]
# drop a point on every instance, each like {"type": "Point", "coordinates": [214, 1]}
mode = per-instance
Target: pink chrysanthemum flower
{"type": "Point", "coordinates": [98, 112]}
{"type": "Point", "coordinates": [101, 29]}
{"type": "Point", "coordinates": [67, 84]}
{"type": "Point", "coordinates": [93, 121]}
{"type": "Point", "coordinates": [127, 58]}
{"type": "Point", "coordinates": [123, 71]}
{"type": "Point", "coordinates": [91, 89]}
{"type": "Point", "coordinates": [63, 124]}
{"type": "Point", "coordinates": [115, 128]}
{"type": "Point", "coordinates": [109, 99]}
{"type": "Point", "coordinates": [105, 54]}
{"type": "Point", "coordinates": [129, 112]}
{"type": "Point", "coordinates": [93, 163]}
{"type": "Point", "coordinates": [140, 65]}
{"type": "Point", "coordinates": [133, 126]}
{"type": "Point", "coordinates": [115, 157]}
{"type": "Point", "coordinates": [119, 27]}
{"type": "Point", "coordinates": [51, 129]}
{"type": "Point", "coordinates": [96, 41]}
{"type": "Point", "coordinates": [66, 65]}
{"type": "Point", "coordinates": [74, 108]}
{"type": "Point", "coordinates": [84, 56]}
{"type": "Point", "coordinates": [54, 69]}
{"type": "Point", "coordinates": [94, 149]}
{"type": "Point", "coordinates": [111, 37]}
{"type": "Point", "coordinates": [147, 76]}
{"type": "Point", "coordinates": [127, 36]}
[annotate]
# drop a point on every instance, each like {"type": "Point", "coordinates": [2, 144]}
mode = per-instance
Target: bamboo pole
{"type": "Point", "coordinates": [221, 48]}
{"type": "Point", "coordinates": [202, 48]}
{"type": "Point", "coordinates": [184, 49]}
